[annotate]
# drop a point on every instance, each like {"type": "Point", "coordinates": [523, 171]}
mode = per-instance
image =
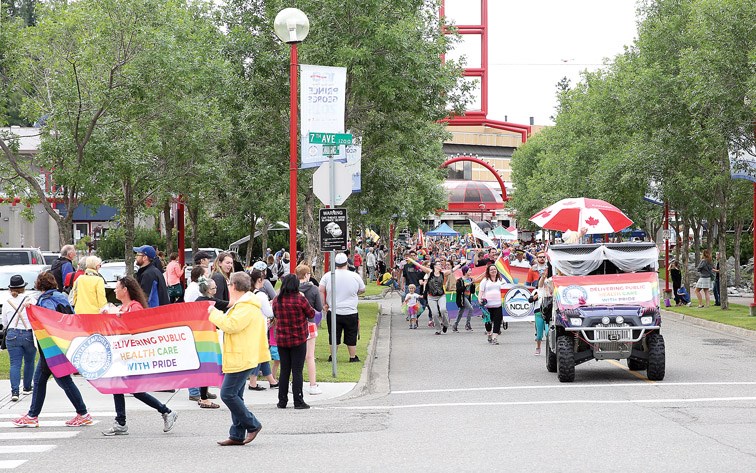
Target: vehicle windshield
{"type": "Point", "coordinates": [50, 259]}
{"type": "Point", "coordinates": [30, 277]}
{"type": "Point", "coordinates": [113, 273]}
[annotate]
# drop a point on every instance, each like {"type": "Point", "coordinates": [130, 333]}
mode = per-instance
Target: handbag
{"type": "Point", "coordinates": [4, 334]}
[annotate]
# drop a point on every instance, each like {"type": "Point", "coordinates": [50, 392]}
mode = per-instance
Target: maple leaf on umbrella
{"type": "Point", "coordinates": [592, 221]}
{"type": "Point", "coordinates": [544, 213]}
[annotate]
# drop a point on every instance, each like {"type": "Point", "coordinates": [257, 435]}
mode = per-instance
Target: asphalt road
{"type": "Point", "coordinates": [455, 403]}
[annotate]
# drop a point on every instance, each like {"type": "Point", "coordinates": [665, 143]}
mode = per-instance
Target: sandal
{"type": "Point", "coordinates": [256, 388]}
{"type": "Point", "coordinates": [208, 405]}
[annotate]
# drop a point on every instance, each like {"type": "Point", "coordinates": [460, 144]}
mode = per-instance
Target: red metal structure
{"type": "Point", "coordinates": [293, 111]}
{"type": "Point", "coordinates": [485, 165]}
{"type": "Point", "coordinates": [480, 117]}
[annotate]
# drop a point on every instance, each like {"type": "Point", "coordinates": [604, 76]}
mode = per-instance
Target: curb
{"type": "Point", "coordinates": [711, 325]}
{"type": "Point", "coordinates": [368, 379]}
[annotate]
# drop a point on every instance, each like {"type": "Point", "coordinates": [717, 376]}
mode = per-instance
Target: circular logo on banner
{"type": "Point", "coordinates": [93, 357]}
{"type": "Point", "coordinates": [574, 295]}
{"type": "Point", "coordinates": [516, 302]}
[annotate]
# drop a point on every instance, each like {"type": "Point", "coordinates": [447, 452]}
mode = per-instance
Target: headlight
{"type": "Point", "coordinates": [605, 320]}
{"type": "Point", "coordinates": [619, 319]}
{"type": "Point", "coordinates": [646, 320]}
{"type": "Point", "coordinates": [576, 321]}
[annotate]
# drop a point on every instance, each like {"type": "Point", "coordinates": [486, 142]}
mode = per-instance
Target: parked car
{"type": "Point", "coordinates": [605, 307]}
{"type": "Point", "coordinates": [112, 271]}
{"type": "Point", "coordinates": [16, 256]}
{"type": "Point", "coordinates": [28, 271]}
{"type": "Point", "coordinates": [50, 256]}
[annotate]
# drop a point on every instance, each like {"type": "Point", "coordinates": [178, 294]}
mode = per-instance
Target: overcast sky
{"type": "Point", "coordinates": [534, 43]}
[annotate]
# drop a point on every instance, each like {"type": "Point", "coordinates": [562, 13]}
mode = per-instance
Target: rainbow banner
{"type": "Point", "coordinates": [168, 347]}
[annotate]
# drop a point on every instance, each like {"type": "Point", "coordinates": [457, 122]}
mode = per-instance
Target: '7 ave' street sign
{"type": "Point", "coordinates": [330, 138]}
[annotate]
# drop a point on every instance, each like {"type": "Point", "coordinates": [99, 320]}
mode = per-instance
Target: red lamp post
{"type": "Point", "coordinates": [291, 26]}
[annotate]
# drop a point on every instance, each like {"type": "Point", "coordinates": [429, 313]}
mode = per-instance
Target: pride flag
{"type": "Point", "coordinates": [502, 265]}
{"type": "Point", "coordinates": [167, 347]}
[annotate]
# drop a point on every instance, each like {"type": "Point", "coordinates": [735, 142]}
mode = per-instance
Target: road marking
{"type": "Point", "coordinates": [59, 414]}
{"type": "Point", "coordinates": [10, 464]}
{"type": "Point", "coordinates": [4, 449]}
{"type": "Point", "coordinates": [45, 423]}
{"type": "Point", "coordinates": [38, 435]}
{"type": "Point", "coordinates": [625, 368]}
{"type": "Point", "coordinates": [541, 403]}
{"type": "Point", "coordinates": [574, 386]}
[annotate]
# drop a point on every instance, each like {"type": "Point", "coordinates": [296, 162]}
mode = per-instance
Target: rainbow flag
{"type": "Point", "coordinates": [502, 264]}
{"type": "Point", "coordinates": [168, 347]}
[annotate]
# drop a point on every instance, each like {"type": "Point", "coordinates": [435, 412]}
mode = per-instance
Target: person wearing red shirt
{"type": "Point", "coordinates": [291, 314]}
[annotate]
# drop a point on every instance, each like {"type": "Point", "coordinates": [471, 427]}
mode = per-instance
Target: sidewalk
{"type": "Point", "coordinates": [102, 404]}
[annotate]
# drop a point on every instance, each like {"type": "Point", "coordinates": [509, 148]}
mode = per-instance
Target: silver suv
{"type": "Point", "coordinates": [10, 256]}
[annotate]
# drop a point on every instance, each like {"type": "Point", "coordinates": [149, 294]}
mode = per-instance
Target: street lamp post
{"type": "Point", "coordinates": [291, 26]}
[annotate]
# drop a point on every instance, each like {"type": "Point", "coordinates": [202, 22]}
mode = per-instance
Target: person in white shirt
{"type": "Point", "coordinates": [490, 297]}
{"type": "Point", "coordinates": [348, 286]}
{"type": "Point", "coordinates": [192, 289]}
{"type": "Point", "coordinates": [19, 338]}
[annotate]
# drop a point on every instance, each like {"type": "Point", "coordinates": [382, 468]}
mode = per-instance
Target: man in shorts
{"type": "Point", "coordinates": [348, 286]}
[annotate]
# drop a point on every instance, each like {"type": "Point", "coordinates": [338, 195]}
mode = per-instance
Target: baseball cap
{"type": "Point", "coordinates": [341, 259]}
{"type": "Point", "coordinates": [260, 266]}
{"type": "Point", "coordinates": [146, 250]}
{"type": "Point", "coordinates": [200, 256]}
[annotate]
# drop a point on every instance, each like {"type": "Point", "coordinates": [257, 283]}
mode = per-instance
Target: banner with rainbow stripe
{"type": "Point", "coordinates": [168, 347]}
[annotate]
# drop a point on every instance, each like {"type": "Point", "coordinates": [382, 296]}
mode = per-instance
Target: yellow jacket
{"type": "Point", "coordinates": [245, 341]}
{"type": "Point", "coordinates": [89, 293]}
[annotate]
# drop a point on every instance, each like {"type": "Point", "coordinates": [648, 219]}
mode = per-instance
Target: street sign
{"type": "Point", "coordinates": [330, 138]}
{"type": "Point", "coordinates": [668, 234]}
{"type": "Point", "coordinates": [321, 183]}
{"type": "Point", "coordinates": [330, 150]}
{"type": "Point", "coordinates": [333, 229]}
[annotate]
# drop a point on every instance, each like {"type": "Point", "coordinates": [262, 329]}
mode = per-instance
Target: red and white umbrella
{"type": "Point", "coordinates": [597, 216]}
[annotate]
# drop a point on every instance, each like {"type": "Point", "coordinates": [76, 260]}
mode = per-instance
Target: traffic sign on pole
{"type": "Point", "coordinates": [333, 229]}
{"type": "Point", "coordinates": [342, 181]}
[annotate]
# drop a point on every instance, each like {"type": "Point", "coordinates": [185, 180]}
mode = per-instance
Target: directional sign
{"type": "Point", "coordinates": [321, 183]}
{"type": "Point", "coordinates": [331, 138]}
{"type": "Point", "coordinates": [333, 229]}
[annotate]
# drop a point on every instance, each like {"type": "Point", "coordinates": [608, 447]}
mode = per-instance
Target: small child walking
{"type": "Point", "coordinates": [412, 301]}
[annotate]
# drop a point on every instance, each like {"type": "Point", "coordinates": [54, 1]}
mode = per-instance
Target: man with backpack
{"type": "Point", "coordinates": [63, 266]}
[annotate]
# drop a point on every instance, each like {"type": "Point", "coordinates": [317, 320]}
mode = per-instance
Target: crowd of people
{"type": "Point", "coordinates": [264, 332]}
{"type": "Point", "coordinates": [425, 271]}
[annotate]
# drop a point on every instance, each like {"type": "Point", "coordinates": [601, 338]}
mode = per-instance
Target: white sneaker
{"type": "Point", "coordinates": [315, 390]}
{"type": "Point", "coordinates": [117, 429]}
{"type": "Point", "coordinates": [168, 420]}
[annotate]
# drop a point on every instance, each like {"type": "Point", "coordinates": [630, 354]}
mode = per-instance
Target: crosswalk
{"type": "Point", "coordinates": [20, 445]}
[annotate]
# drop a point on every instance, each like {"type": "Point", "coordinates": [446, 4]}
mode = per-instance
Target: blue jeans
{"type": "Point", "coordinates": [41, 376]}
{"type": "Point", "coordinates": [194, 391]}
{"type": "Point", "coordinates": [466, 308]}
{"type": "Point", "coordinates": [232, 395]}
{"type": "Point", "coordinates": [21, 349]}
{"type": "Point", "coordinates": [120, 405]}
{"type": "Point", "coordinates": [264, 367]}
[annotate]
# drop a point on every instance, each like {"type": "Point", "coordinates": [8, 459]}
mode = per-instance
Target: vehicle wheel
{"type": "Point", "coordinates": [565, 359]}
{"type": "Point", "coordinates": [636, 365]}
{"type": "Point", "coordinates": [551, 359]}
{"type": "Point", "coordinates": [656, 357]}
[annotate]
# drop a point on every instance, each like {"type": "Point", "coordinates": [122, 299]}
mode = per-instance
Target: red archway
{"type": "Point", "coordinates": [485, 165]}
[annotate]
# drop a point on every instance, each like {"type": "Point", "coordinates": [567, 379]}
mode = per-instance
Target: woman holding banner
{"type": "Point", "coordinates": [490, 297]}
{"type": "Point", "coordinates": [52, 299]}
{"type": "Point", "coordinates": [129, 292]}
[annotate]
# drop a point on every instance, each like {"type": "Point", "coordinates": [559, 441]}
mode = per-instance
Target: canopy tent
{"type": "Point", "coordinates": [501, 233]}
{"type": "Point", "coordinates": [442, 230]}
